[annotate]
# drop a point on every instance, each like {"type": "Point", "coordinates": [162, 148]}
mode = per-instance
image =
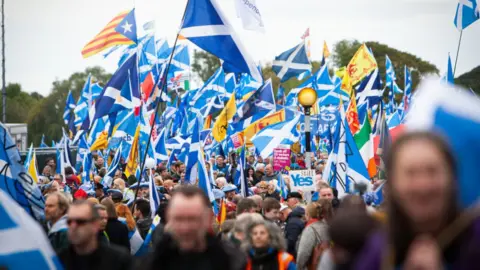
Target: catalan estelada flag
{"type": "Point", "coordinates": [112, 35]}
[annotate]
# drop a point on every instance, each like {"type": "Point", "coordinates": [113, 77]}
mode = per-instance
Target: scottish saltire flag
{"type": "Point", "coordinates": [180, 60]}
{"type": "Point", "coordinates": [214, 105]}
{"type": "Point", "coordinates": [114, 165]}
{"type": "Point", "coordinates": [408, 89]}
{"type": "Point", "coordinates": [370, 90]}
{"type": "Point", "coordinates": [272, 136]}
{"type": "Point", "coordinates": [29, 157]}
{"type": "Point", "coordinates": [153, 198]}
{"type": "Point", "coordinates": [323, 82]}
{"type": "Point", "coordinates": [452, 112]}
{"type": "Point", "coordinates": [203, 177]}
{"type": "Point", "coordinates": [213, 87]}
{"type": "Point", "coordinates": [42, 142]}
{"type": "Point", "coordinates": [243, 180]}
{"type": "Point", "coordinates": [292, 63]}
{"type": "Point", "coordinates": [390, 71]}
{"type": "Point", "coordinates": [24, 243]}
{"type": "Point", "coordinates": [396, 88]}
{"type": "Point", "coordinates": [245, 87]}
{"type": "Point", "coordinates": [468, 12]}
{"type": "Point", "coordinates": [191, 172]}
{"type": "Point", "coordinates": [206, 26]}
{"type": "Point", "coordinates": [378, 194]}
{"type": "Point", "coordinates": [160, 149]}
{"type": "Point", "coordinates": [87, 163]}
{"type": "Point", "coordinates": [145, 129]}
{"type": "Point", "coordinates": [134, 237]}
{"type": "Point", "coordinates": [15, 180]}
{"type": "Point", "coordinates": [69, 105]}
{"type": "Point", "coordinates": [90, 92]}
{"type": "Point", "coordinates": [258, 105]}
{"type": "Point", "coordinates": [123, 133]}
{"type": "Point", "coordinates": [450, 76]}
{"type": "Point", "coordinates": [394, 120]}
{"type": "Point", "coordinates": [345, 166]}
{"type": "Point", "coordinates": [121, 92]}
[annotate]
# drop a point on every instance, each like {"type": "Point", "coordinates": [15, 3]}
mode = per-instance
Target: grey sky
{"type": "Point", "coordinates": [44, 38]}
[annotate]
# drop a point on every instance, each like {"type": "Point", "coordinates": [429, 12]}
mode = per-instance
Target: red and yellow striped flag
{"type": "Point", "coordinates": [222, 213]}
{"type": "Point", "coordinates": [107, 38]}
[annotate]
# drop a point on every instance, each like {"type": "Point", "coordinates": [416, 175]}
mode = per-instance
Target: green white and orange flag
{"type": "Point", "coordinates": [364, 141]}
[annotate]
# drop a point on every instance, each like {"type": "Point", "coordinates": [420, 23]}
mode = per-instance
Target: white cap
{"type": "Point", "coordinates": [283, 207]}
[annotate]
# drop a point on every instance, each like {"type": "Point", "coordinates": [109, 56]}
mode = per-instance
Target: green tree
{"type": "Point", "coordinates": [204, 64]}
{"type": "Point", "coordinates": [19, 103]}
{"type": "Point", "coordinates": [470, 79]}
{"type": "Point", "coordinates": [344, 50]}
{"type": "Point", "coordinates": [46, 117]}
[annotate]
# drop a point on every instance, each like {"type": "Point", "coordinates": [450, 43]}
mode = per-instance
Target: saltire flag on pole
{"type": "Point", "coordinates": [154, 197]}
{"type": "Point", "coordinates": [69, 105]}
{"type": "Point", "coordinates": [274, 135]}
{"type": "Point", "coordinates": [468, 11]}
{"type": "Point", "coordinates": [16, 181]}
{"type": "Point", "coordinates": [206, 26]}
{"type": "Point", "coordinates": [24, 243]}
{"type": "Point", "coordinates": [450, 76]}
{"type": "Point", "coordinates": [292, 63]}
{"type": "Point", "coordinates": [345, 166]}
{"type": "Point", "coordinates": [120, 93]}
{"type": "Point", "coordinates": [455, 115]}
{"type": "Point", "coordinates": [117, 32]}
{"type": "Point", "coordinates": [42, 142]}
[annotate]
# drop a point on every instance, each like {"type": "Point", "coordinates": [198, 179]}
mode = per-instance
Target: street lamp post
{"type": "Point", "coordinates": [307, 97]}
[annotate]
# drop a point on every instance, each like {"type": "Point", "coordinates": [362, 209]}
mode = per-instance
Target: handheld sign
{"type": "Point", "coordinates": [303, 180]}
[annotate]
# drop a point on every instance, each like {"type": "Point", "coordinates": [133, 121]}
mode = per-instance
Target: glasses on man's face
{"type": "Point", "coordinates": [78, 221]}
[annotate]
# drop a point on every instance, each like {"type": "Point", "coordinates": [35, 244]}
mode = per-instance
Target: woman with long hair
{"type": "Point", "coordinates": [423, 231]}
{"type": "Point", "coordinates": [265, 246]}
{"type": "Point", "coordinates": [250, 175]}
{"type": "Point", "coordinates": [315, 234]}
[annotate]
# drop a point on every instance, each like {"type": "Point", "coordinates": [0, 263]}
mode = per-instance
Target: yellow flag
{"type": "Point", "coordinates": [346, 84]}
{"type": "Point", "coordinates": [32, 167]}
{"type": "Point", "coordinates": [361, 65]}
{"type": "Point", "coordinates": [101, 142]}
{"type": "Point", "coordinates": [340, 72]}
{"type": "Point", "coordinates": [219, 130]}
{"type": "Point", "coordinates": [132, 161]}
{"type": "Point", "coordinates": [254, 128]}
{"type": "Point", "coordinates": [326, 52]}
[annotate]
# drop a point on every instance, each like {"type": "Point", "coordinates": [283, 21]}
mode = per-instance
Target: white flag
{"type": "Point", "coordinates": [248, 11]}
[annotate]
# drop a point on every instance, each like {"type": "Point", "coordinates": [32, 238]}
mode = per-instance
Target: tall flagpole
{"type": "Point", "coordinates": [4, 89]}
{"type": "Point", "coordinates": [458, 51]}
{"type": "Point", "coordinates": [164, 88]}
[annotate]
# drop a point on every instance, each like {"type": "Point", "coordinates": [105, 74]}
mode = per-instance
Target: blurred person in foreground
{"type": "Point", "coordinates": [266, 248]}
{"type": "Point", "coordinates": [85, 251]}
{"type": "Point", "coordinates": [56, 207]}
{"type": "Point", "coordinates": [187, 243]}
{"type": "Point", "coordinates": [421, 173]}
{"type": "Point", "coordinates": [117, 231]}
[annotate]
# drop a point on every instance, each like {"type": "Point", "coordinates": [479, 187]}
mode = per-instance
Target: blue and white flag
{"type": "Point", "coordinates": [370, 90]}
{"type": "Point", "coordinates": [42, 142]}
{"type": "Point", "coordinates": [90, 92]}
{"type": "Point", "coordinates": [390, 71]}
{"type": "Point", "coordinates": [345, 166]}
{"type": "Point", "coordinates": [468, 12]}
{"type": "Point", "coordinates": [114, 165]}
{"type": "Point", "coordinates": [191, 171]}
{"type": "Point", "coordinates": [160, 149]}
{"type": "Point", "coordinates": [450, 76]}
{"type": "Point", "coordinates": [121, 92]}
{"type": "Point", "coordinates": [452, 112]}
{"type": "Point", "coordinates": [292, 62]}
{"type": "Point", "coordinates": [206, 26]}
{"type": "Point", "coordinates": [153, 198]}
{"type": "Point", "coordinates": [272, 136]}
{"type": "Point", "coordinates": [69, 105]}
{"type": "Point", "coordinates": [24, 243]}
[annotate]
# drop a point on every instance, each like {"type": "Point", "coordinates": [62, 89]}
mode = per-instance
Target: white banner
{"type": "Point", "coordinates": [248, 11]}
{"type": "Point", "coordinates": [303, 180]}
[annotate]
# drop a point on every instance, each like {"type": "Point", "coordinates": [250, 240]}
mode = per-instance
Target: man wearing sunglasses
{"type": "Point", "coordinates": [85, 251]}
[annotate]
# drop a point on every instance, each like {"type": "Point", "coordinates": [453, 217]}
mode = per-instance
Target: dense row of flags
{"type": "Point", "coordinates": [234, 111]}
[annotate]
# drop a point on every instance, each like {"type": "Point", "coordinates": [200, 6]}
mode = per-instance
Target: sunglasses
{"type": "Point", "coordinates": [78, 221]}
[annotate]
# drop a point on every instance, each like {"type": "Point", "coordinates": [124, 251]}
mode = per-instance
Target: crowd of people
{"type": "Point", "coordinates": [95, 227]}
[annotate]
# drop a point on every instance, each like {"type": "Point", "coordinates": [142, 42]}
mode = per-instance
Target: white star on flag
{"type": "Point", "coordinates": [127, 27]}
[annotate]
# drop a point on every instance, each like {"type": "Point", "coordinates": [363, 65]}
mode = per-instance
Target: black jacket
{"type": "Point", "coordinates": [104, 258]}
{"type": "Point", "coordinates": [218, 256]}
{"type": "Point", "coordinates": [118, 233]}
{"type": "Point", "coordinates": [294, 228]}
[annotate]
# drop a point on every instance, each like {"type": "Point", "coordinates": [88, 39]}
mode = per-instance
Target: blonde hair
{"type": "Point", "coordinates": [158, 181]}
{"type": "Point", "coordinates": [93, 200]}
{"type": "Point", "coordinates": [123, 212]}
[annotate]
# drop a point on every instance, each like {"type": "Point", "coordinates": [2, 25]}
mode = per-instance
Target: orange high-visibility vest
{"type": "Point", "coordinates": [284, 259]}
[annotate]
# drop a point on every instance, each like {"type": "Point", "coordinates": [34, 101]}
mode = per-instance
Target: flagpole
{"type": "Point", "coordinates": [164, 87]}
{"type": "Point", "coordinates": [458, 51]}
{"type": "Point", "coordinates": [4, 89]}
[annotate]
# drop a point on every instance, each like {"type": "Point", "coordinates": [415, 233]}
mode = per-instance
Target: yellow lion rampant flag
{"type": "Point", "coordinates": [219, 130]}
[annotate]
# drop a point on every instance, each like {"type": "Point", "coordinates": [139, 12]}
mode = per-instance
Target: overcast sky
{"type": "Point", "coordinates": [44, 38]}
